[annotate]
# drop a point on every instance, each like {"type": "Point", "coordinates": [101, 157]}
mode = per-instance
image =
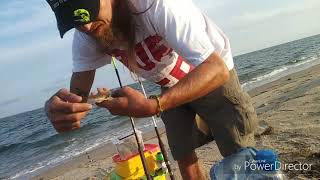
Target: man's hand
{"type": "Point", "coordinates": [65, 110]}
{"type": "Point", "coordinates": [129, 102]}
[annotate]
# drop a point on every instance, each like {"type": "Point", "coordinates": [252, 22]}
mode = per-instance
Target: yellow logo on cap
{"type": "Point", "coordinates": [82, 15]}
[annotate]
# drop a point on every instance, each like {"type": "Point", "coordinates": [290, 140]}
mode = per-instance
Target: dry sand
{"type": "Point", "coordinates": [289, 114]}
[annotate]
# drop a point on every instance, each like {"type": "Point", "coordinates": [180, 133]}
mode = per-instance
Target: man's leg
{"type": "Point", "coordinates": [179, 123]}
{"type": "Point", "coordinates": [236, 130]}
{"type": "Point", "coordinates": [229, 113]}
{"type": "Point", "coordinates": [189, 167]}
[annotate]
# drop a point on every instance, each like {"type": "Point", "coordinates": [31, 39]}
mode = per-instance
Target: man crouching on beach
{"type": "Point", "coordinates": [171, 43]}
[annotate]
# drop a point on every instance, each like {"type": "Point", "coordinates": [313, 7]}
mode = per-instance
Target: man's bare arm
{"type": "Point", "coordinates": [205, 78]}
{"type": "Point", "coordinates": [81, 83]}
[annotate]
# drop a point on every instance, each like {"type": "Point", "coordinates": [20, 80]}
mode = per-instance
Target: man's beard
{"type": "Point", "coordinates": [121, 31]}
{"type": "Point", "coordinates": [110, 38]}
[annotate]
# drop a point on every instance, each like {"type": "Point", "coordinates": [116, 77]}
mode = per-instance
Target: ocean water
{"type": "Point", "coordinates": [29, 144]}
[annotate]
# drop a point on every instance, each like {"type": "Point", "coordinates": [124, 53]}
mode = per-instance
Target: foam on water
{"type": "Point", "coordinates": [279, 73]}
{"type": "Point", "coordinates": [74, 151]}
{"type": "Point", "coordinates": [69, 152]}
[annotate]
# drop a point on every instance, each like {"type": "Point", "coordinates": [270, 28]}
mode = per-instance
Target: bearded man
{"type": "Point", "coordinates": [171, 43]}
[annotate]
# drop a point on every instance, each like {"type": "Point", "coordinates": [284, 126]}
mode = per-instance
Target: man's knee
{"type": "Point", "coordinates": [189, 159]}
{"type": "Point", "coordinates": [190, 168]}
{"type": "Point", "coordinates": [230, 146]}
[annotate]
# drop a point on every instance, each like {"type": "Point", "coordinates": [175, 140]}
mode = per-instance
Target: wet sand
{"type": "Point", "coordinates": [289, 114]}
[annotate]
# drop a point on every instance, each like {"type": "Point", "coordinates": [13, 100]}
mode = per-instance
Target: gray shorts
{"type": "Point", "coordinates": [227, 111]}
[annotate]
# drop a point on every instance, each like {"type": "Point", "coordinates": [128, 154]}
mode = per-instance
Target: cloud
{"type": "Point", "coordinates": [254, 17]}
{"type": "Point", "coordinates": [252, 25]}
{"type": "Point", "coordinates": [10, 8]}
{"type": "Point", "coordinates": [212, 5]}
{"type": "Point", "coordinates": [10, 101]}
{"type": "Point", "coordinates": [30, 33]}
{"type": "Point", "coordinates": [41, 19]}
{"type": "Point", "coordinates": [34, 48]}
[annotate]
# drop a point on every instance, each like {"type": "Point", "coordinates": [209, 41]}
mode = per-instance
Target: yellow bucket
{"type": "Point", "coordinates": [132, 168]}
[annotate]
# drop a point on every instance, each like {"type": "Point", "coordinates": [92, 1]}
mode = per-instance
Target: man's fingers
{"type": "Point", "coordinates": [58, 105]}
{"type": "Point", "coordinates": [66, 129]}
{"type": "Point", "coordinates": [66, 95]}
{"type": "Point", "coordinates": [76, 107]}
{"type": "Point", "coordinates": [73, 98]}
{"type": "Point", "coordinates": [115, 105]}
{"type": "Point", "coordinates": [68, 122]}
{"type": "Point", "coordinates": [68, 118]}
{"type": "Point", "coordinates": [121, 92]}
{"type": "Point", "coordinates": [67, 125]}
{"type": "Point", "coordinates": [62, 92]}
{"type": "Point", "coordinates": [65, 110]}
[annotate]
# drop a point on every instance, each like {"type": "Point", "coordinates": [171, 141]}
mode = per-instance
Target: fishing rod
{"type": "Point", "coordinates": [139, 141]}
{"type": "Point", "coordinates": [161, 144]}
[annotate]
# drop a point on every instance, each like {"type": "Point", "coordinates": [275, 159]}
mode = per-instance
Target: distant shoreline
{"type": "Point", "coordinates": [268, 47]}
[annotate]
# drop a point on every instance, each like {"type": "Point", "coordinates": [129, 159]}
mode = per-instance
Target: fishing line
{"type": "Point", "coordinates": [162, 148]}
{"type": "Point", "coordinates": [161, 144]}
{"type": "Point", "coordinates": [139, 141]}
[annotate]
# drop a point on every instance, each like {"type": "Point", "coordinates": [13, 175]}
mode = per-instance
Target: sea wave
{"type": "Point", "coordinates": [69, 152]}
{"type": "Point", "coordinates": [74, 150]}
{"type": "Point", "coordinates": [280, 72]}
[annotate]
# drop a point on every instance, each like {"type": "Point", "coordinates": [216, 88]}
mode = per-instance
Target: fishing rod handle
{"type": "Point", "coordinates": [165, 154]}
{"type": "Point", "coordinates": [139, 143]}
{"type": "Point", "coordinates": [143, 158]}
{"type": "Point", "coordinates": [161, 144]}
{"type": "Point", "coordinates": [141, 150]}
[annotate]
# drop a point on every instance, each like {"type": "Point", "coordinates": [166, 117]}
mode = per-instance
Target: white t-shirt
{"type": "Point", "coordinates": [173, 37]}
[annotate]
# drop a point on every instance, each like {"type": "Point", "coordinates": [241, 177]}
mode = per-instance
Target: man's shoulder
{"type": "Point", "coordinates": [84, 45]}
{"type": "Point", "coordinates": [80, 38]}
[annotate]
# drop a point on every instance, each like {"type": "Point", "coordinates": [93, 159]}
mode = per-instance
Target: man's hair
{"type": "Point", "coordinates": [124, 22]}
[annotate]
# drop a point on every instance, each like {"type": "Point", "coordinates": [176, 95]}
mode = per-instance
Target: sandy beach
{"type": "Point", "coordinates": [289, 114]}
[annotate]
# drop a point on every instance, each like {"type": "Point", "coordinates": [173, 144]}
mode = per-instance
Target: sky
{"type": "Point", "coordinates": [35, 62]}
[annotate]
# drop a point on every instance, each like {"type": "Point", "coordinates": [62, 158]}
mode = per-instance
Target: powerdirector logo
{"type": "Point", "coordinates": [240, 164]}
{"type": "Point", "coordinates": [263, 165]}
